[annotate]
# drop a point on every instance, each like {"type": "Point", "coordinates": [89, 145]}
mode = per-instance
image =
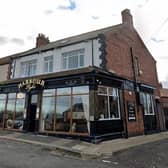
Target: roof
{"type": "Point", "coordinates": [63, 42]}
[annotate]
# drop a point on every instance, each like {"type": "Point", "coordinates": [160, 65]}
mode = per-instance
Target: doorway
{"type": "Point", "coordinates": [32, 109]}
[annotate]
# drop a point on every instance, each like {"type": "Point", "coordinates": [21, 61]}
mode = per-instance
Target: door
{"type": "Point", "coordinates": [32, 109]}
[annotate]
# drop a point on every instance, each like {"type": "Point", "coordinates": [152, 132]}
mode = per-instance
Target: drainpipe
{"type": "Point", "coordinates": [133, 69]}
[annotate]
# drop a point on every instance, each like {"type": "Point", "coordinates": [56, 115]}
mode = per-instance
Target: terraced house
{"type": "Point", "coordinates": [100, 84]}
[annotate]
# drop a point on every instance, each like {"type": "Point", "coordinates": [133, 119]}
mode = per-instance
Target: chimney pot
{"type": "Point", "coordinates": [41, 40]}
{"type": "Point", "coordinates": [127, 18]}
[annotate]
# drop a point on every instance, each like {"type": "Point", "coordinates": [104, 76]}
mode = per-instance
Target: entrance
{"type": "Point", "coordinates": [32, 109]}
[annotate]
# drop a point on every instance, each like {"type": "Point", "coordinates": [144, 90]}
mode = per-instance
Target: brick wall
{"type": "Point", "coordinates": [134, 127]}
{"type": "Point", "coordinates": [119, 58]}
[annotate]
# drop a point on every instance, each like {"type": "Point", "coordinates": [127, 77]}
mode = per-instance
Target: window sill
{"type": "Point", "coordinates": [105, 119]}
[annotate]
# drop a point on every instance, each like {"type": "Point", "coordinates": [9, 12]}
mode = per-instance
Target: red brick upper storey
{"type": "Point", "coordinates": [119, 57]}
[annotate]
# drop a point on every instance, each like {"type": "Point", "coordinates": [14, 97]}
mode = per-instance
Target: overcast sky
{"type": "Point", "coordinates": [22, 20]}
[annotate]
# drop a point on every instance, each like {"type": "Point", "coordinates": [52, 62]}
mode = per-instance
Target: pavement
{"type": "Point", "coordinates": [80, 148]}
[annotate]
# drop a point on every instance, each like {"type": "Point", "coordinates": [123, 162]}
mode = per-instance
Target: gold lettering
{"type": "Point", "coordinates": [29, 84]}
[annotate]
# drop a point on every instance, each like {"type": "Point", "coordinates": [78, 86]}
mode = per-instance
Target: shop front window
{"type": "Point", "coordinates": [14, 112]}
{"type": "Point", "coordinates": [108, 103]}
{"type": "Point", "coordinates": [80, 113]}
{"type": "Point", "coordinates": [48, 107]}
{"type": "Point", "coordinates": [68, 109]}
{"type": "Point", "coordinates": [63, 113]}
{"type": "Point", "coordinates": [18, 119]}
{"type": "Point", "coordinates": [2, 108]}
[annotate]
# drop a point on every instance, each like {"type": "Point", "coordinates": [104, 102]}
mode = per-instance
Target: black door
{"type": "Point", "coordinates": [166, 116]}
{"type": "Point", "coordinates": [32, 112]}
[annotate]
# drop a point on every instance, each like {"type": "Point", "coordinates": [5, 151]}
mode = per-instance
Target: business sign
{"type": "Point", "coordinates": [131, 110]}
{"type": "Point", "coordinates": [30, 84]}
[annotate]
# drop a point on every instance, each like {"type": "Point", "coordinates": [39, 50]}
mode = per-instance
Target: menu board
{"type": "Point", "coordinates": [131, 110]}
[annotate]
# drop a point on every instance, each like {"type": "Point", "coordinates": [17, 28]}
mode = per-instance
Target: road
{"type": "Point", "coordinates": [21, 155]}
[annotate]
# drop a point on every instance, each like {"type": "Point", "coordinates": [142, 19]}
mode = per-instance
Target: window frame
{"type": "Point", "coordinates": [144, 94]}
{"type": "Point", "coordinates": [108, 95]}
{"type": "Point", "coordinates": [48, 61]}
{"type": "Point", "coordinates": [27, 67]}
{"type": "Point", "coordinates": [66, 56]}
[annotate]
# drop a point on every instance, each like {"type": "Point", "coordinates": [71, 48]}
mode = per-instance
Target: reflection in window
{"type": "Point", "coordinates": [48, 106]}
{"type": "Point", "coordinates": [2, 108]}
{"type": "Point", "coordinates": [108, 103]}
{"type": "Point", "coordinates": [15, 110]}
{"type": "Point", "coordinates": [63, 113]}
{"type": "Point", "coordinates": [18, 121]}
{"type": "Point", "coordinates": [80, 89]}
{"type": "Point", "coordinates": [66, 109]}
{"type": "Point", "coordinates": [64, 91]}
{"type": "Point", "coordinates": [80, 113]}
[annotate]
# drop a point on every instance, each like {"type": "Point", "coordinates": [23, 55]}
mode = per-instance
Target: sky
{"type": "Point", "coordinates": [22, 20]}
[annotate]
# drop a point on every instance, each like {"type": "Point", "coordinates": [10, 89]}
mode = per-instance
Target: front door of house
{"type": "Point", "coordinates": [32, 110]}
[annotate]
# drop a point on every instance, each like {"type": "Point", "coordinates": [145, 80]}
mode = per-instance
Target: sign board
{"type": "Point", "coordinates": [131, 110]}
{"type": "Point", "coordinates": [30, 84]}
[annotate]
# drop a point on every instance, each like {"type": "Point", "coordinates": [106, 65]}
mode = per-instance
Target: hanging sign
{"type": "Point", "coordinates": [30, 84]}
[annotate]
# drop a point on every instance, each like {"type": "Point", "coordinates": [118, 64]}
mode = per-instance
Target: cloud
{"type": "Point", "coordinates": [71, 6]}
{"type": "Point", "coordinates": [165, 84]}
{"type": "Point", "coordinates": [163, 57]}
{"type": "Point", "coordinates": [142, 5]}
{"type": "Point", "coordinates": [48, 12]}
{"type": "Point", "coordinates": [30, 37]}
{"type": "Point", "coordinates": [3, 40]}
{"type": "Point", "coordinates": [17, 41]}
{"type": "Point", "coordinates": [156, 40]}
{"type": "Point", "coordinates": [95, 17]}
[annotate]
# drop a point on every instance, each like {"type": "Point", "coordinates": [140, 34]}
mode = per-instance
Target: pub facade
{"type": "Point", "coordinates": [94, 85]}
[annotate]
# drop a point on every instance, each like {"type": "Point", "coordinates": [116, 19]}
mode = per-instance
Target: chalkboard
{"type": "Point", "coordinates": [131, 111]}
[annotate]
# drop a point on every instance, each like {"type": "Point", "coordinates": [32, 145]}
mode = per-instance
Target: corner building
{"type": "Point", "coordinates": [97, 85]}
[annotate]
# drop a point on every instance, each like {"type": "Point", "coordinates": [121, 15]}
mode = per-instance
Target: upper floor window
{"type": "Point", "coordinates": [147, 102]}
{"type": "Point", "coordinates": [28, 68]}
{"type": "Point", "coordinates": [48, 64]}
{"type": "Point", "coordinates": [73, 59]}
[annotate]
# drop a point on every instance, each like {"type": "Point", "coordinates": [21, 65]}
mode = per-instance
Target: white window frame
{"type": "Point", "coordinates": [108, 101]}
{"type": "Point", "coordinates": [152, 103]}
{"type": "Point", "coordinates": [73, 53]}
{"type": "Point", "coordinates": [48, 61]}
{"type": "Point", "coordinates": [27, 67]}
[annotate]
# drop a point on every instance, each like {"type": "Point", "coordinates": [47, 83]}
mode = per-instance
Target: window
{"type": "Point", "coordinates": [66, 110]}
{"type": "Point", "coordinates": [73, 59]}
{"type": "Point", "coordinates": [48, 64]}
{"type": "Point", "coordinates": [108, 103]}
{"type": "Point", "coordinates": [147, 102]}
{"type": "Point", "coordinates": [15, 111]}
{"type": "Point", "coordinates": [28, 68]}
{"type": "Point", "coordinates": [2, 108]}
{"type": "Point", "coordinates": [48, 107]}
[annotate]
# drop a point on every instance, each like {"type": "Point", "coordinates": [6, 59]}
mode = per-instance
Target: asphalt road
{"type": "Point", "coordinates": [20, 155]}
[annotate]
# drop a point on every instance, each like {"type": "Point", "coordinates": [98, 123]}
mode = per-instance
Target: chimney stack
{"type": "Point", "coordinates": [41, 40]}
{"type": "Point", "coordinates": [127, 18]}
